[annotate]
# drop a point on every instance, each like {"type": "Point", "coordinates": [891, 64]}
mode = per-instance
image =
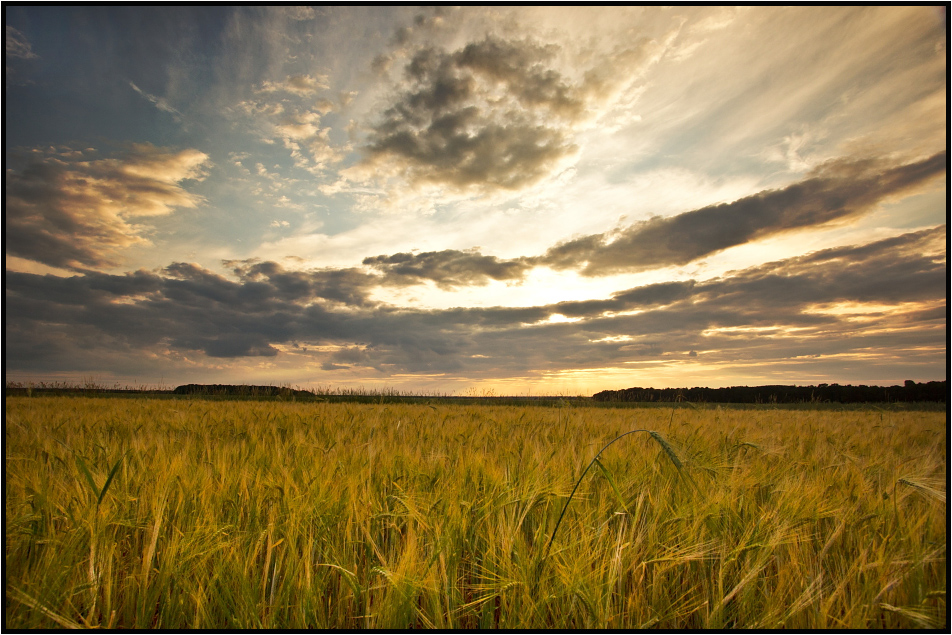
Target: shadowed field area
{"type": "Point", "coordinates": [147, 513]}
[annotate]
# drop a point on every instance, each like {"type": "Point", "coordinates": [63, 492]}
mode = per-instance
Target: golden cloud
{"type": "Point", "coordinates": [72, 213]}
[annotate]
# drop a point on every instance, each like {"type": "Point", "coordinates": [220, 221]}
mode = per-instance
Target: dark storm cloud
{"type": "Point", "coordinates": [833, 192]}
{"type": "Point", "coordinates": [448, 268]}
{"type": "Point", "coordinates": [70, 210]}
{"type": "Point", "coordinates": [51, 321]}
{"type": "Point", "coordinates": [492, 114]}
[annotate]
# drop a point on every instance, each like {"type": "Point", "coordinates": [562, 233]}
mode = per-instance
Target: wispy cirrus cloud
{"type": "Point", "coordinates": [160, 102]}
{"type": "Point", "coordinates": [16, 44]}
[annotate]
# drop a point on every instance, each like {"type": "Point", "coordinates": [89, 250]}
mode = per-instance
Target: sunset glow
{"type": "Point", "coordinates": [519, 200]}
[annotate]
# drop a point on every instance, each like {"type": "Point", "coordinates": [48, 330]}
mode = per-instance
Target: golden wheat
{"type": "Point", "coordinates": [218, 514]}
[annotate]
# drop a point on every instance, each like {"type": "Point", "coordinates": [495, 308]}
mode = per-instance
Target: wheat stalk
{"type": "Point", "coordinates": [656, 436]}
{"type": "Point", "coordinates": [20, 596]}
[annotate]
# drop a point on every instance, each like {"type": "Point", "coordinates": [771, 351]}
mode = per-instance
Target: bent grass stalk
{"type": "Point", "coordinates": [656, 436]}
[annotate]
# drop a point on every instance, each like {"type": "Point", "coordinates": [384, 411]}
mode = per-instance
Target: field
{"type": "Point", "coordinates": [146, 513]}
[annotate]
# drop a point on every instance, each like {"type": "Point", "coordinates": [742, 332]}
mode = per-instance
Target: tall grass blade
{"type": "Point", "coordinates": [89, 477]}
{"type": "Point", "coordinates": [153, 541]}
{"type": "Point", "coordinates": [112, 474]}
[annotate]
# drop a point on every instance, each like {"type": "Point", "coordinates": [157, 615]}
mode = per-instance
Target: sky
{"type": "Point", "coordinates": [472, 200]}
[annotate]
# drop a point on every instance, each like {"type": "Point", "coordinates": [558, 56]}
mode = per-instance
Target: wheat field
{"type": "Point", "coordinates": [151, 513]}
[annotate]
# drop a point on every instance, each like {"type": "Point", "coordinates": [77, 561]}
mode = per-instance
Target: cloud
{"type": "Point", "coordinates": [882, 300]}
{"type": "Point", "coordinates": [496, 114]}
{"type": "Point", "coordinates": [324, 106]}
{"type": "Point", "coordinates": [159, 102]}
{"type": "Point", "coordinates": [381, 64]}
{"type": "Point", "coordinates": [65, 210]}
{"type": "Point", "coordinates": [448, 268]}
{"type": "Point", "coordinates": [774, 312]}
{"type": "Point", "coordinates": [835, 191]}
{"type": "Point", "coordinates": [493, 114]}
{"type": "Point", "coordinates": [347, 286]}
{"type": "Point", "coordinates": [872, 83]}
{"type": "Point", "coordinates": [188, 308]}
{"type": "Point", "coordinates": [299, 126]}
{"type": "Point", "coordinates": [295, 120]}
{"type": "Point", "coordinates": [639, 298]}
{"type": "Point", "coordinates": [624, 64]}
{"type": "Point", "coordinates": [300, 13]}
{"type": "Point", "coordinates": [786, 309]}
{"type": "Point", "coordinates": [17, 45]}
{"type": "Point", "coordinates": [296, 84]}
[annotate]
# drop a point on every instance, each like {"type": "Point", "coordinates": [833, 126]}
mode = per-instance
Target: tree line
{"type": "Point", "coordinates": [909, 392]}
{"type": "Point", "coordinates": [243, 390]}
